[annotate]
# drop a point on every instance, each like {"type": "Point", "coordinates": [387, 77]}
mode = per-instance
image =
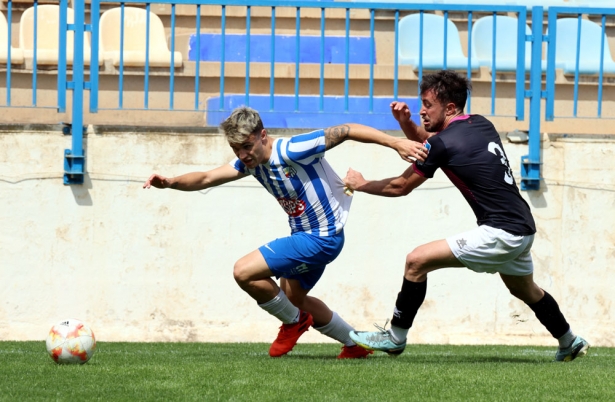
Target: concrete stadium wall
{"type": "Point", "coordinates": [156, 265]}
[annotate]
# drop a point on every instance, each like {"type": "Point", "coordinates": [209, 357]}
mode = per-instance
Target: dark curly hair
{"type": "Point", "coordinates": [448, 87]}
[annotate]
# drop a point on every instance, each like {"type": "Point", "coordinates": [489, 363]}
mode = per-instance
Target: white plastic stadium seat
{"type": "Point", "coordinates": [16, 53]}
{"type": "Point", "coordinates": [433, 43]}
{"type": "Point", "coordinates": [591, 37]}
{"type": "Point", "coordinates": [47, 38]}
{"type": "Point", "coordinates": [505, 43]}
{"type": "Point", "coordinates": [135, 20]}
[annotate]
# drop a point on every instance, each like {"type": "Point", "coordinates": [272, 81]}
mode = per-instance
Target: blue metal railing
{"type": "Point", "coordinates": [75, 160]}
{"type": "Point", "coordinates": [298, 6]}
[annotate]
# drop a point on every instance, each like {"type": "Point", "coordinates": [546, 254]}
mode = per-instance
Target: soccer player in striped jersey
{"type": "Point", "coordinates": [469, 151]}
{"type": "Point", "coordinates": [295, 172]}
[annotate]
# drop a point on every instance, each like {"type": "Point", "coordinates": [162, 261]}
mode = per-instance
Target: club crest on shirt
{"type": "Point", "coordinates": [428, 146]}
{"type": "Point", "coordinates": [289, 171]}
{"type": "Point", "coordinates": [292, 207]}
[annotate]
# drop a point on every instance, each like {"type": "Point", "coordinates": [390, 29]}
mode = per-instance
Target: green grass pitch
{"type": "Point", "coordinates": [245, 372]}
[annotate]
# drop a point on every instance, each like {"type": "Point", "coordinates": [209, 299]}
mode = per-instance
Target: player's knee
{"type": "Point", "coordinates": [528, 295]}
{"type": "Point", "coordinates": [240, 273]}
{"type": "Point", "coordinates": [414, 264]}
{"type": "Point", "coordinates": [515, 292]}
{"type": "Point", "coordinates": [521, 293]}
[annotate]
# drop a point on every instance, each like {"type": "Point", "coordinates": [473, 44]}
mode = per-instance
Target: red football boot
{"type": "Point", "coordinates": [289, 335]}
{"type": "Point", "coordinates": [354, 352]}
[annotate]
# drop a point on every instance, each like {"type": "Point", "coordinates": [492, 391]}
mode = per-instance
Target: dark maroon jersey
{"type": "Point", "coordinates": [469, 151]}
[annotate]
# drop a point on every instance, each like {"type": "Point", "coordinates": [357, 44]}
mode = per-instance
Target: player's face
{"type": "Point", "coordinates": [432, 112]}
{"type": "Point", "coordinates": [252, 151]}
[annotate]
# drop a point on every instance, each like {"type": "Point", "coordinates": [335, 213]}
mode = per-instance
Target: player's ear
{"type": "Point", "coordinates": [451, 109]}
{"type": "Point", "coordinates": [263, 134]}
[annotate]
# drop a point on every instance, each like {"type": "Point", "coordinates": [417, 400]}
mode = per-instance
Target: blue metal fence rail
{"type": "Point", "coordinates": [530, 171]}
{"type": "Point", "coordinates": [521, 11]}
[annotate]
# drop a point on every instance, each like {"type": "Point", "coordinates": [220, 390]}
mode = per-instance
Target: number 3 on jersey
{"type": "Point", "coordinates": [497, 151]}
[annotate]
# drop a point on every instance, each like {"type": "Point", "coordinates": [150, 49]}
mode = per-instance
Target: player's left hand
{"type": "Point", "coordinates": [157, 181]}
{"type": "Point", "coordinates": [411, 151]}
{"type": "Point", "coordinates": [400, 111]}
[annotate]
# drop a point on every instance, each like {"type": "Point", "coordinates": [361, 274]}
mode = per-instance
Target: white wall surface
{"type": "Point", "coordinates": [156, 265]}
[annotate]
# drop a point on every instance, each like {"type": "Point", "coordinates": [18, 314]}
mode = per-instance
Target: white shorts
{"type": "Point", "coordinates": [490, 250]}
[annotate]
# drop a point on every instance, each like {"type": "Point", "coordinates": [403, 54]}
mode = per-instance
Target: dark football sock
{"type": "Point", "coordinates": [408, 302]}
{"type": "Point", "coordinates": [548, 313]}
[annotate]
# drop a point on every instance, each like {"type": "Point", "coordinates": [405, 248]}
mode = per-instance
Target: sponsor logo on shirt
{"type": "Point", "coordinates": [289, 171]}
{"type": "Point", "coordinates": [293, 207]}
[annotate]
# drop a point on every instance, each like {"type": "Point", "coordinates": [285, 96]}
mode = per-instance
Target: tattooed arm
{"type": "Point", "coordinates": [336, 135]}
{"type": "Point", "coordinates": [408, 150]}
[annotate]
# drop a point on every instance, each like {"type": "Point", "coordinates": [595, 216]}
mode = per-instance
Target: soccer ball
{"type": "Point", "coordinates": [71, 342]}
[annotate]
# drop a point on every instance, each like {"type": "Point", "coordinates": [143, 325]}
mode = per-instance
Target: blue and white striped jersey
{"type": "Point", "coordinates": [305, 185]}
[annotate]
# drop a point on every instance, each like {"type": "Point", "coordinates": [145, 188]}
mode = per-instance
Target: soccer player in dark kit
{"type": "Point", "coordinates": [469, 151]}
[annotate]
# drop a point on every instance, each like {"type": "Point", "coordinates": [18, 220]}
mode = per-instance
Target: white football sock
{"type": "Point", "coordinates": [398, 335]}
{"type": "Point", "coordinates": [565, 341]}
{"type": "Point", "coordinates": [281, 308]}
{"type": "Point", "coordinates": [337, 329]}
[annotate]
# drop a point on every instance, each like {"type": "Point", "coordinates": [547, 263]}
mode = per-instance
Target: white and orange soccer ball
{"type": "Point", "coordinates": [71, 342]}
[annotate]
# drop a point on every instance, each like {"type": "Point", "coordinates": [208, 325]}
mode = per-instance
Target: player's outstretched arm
{"type": "Point", "coordinates": [391, 187]}
{"type": "Point", "coordinates": [196, 180]}
{"type": "Point", "coordinates": [401, 113]}
{"type": "Point", "coordinates": [407, 149]}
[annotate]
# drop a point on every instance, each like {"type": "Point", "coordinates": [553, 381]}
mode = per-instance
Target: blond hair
{"type": "Point", "coordinates": [242, 122]}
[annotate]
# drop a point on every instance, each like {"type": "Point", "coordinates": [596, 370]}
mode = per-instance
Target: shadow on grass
{"type": "Point", "coordinates": [419, 359]}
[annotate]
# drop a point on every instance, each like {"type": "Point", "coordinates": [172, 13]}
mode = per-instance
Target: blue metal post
{"type": "Point", "coordinates": [121, 78]}
{"type": "Point", "coordinates": [63, 29]}
{"type": "Point", "coordinates": [35, 50]}
{"type": "Point", "coordinates": [297, 55]}
{"type": "Point", "coordinates": [493, 59]}
{"type": "Point", "coordinates": [9, 6]}
{"type": "Point", "coordinates": [222, 55]}
{"type": "Point", "coordinates": [172, 68]}
{"type": "Point", "coordinates": [347, 62]}
{"type": "Point", "coordinates": [550, 104]}
{"type": "Point", "coordinates": [469, 68]}
{"type": "Point", "coordinates": [248, 33]}
{"type": "Point", "coordinates": [272, 63]}
{"type": "Point", "coordinates": [396, 62]}
{"type": "Point", "coordinates": [601, 72]}
{"type": "Point", "coordinates": [530, 164]}
{"type": "Point", "coordinates": [197, 75]}
{"type": "Point", "coordinates": [372, 48]}
{"type": "Point", "coordinates": [321, 102]}
{"type": "Point", "coordinates": [74, 159]}
{"type": "Point", "coordinates": [418, 87]}
{"type": "Point", "coordinates": [520, 85]}
{"type": "Point", "coordinates": [94, 46]}
{"type": "Point", "coordinates": [147, 54]}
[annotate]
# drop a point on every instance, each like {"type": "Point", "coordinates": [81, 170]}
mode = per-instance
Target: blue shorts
{"type": "Point", "coordinates": [302, 256]}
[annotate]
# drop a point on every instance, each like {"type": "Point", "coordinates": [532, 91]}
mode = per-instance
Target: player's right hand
{"type": "Point", "coordinates": [157, 181]}
{"type": "Point", "coordinates": [401, 111]}
{"type": "Point", "coordinates": [353, 180]}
